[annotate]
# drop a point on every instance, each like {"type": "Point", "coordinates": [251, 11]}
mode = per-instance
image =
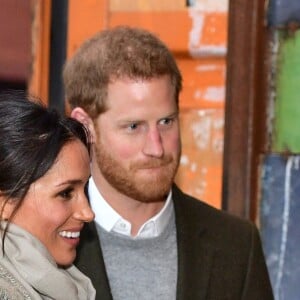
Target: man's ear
{"type": "Point", "coordinates": [82, 116]}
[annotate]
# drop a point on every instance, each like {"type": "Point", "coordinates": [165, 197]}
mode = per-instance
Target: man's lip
{"type": "Point", "coordinates": [152, 167]}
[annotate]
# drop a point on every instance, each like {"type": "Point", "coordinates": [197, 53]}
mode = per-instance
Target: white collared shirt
{"type": "Point", "coordinates": [110, 220]}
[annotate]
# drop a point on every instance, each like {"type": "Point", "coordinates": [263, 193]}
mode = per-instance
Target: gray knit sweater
{"type": "Point", "coordinates": [141, 268]}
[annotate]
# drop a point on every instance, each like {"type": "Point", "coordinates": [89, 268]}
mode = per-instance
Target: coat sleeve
{"type": "Point", "coordinates": [257, 283]}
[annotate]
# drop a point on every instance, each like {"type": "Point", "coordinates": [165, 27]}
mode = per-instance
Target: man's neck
{"type": "Point", "coordinates": [135, 212]}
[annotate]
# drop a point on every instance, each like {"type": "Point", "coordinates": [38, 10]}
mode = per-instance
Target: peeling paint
{"type": "Point", "coordinates": [285, 135]}
{"type": "Point", "coordinates": [194, 167]}
{"type": "Point", "coordinates": [204, 171]}
{"type": "Point", "coordinates": [279, 218]}
{"type": "Point", "coordinates": [201, 133]}
{"type": "Point", "coordinates": [218, 123]}
{"type": "Point", "coordinates": [285, 224]}
{"type": "Point", "coordinates": [195, 47]}
{"type": "Point", "coordinates": [198, 94]}
{"type": "Point", "coordinates": [211, 94]}
{"type": "Point", "coordinates": [202, 151]}
{"type": "Point", "coordinates": [196, 31]}
{"type": "Point", "coordinates": [201, 113]}
{"type": "Point", "coordinates": [184, 160]}
{"type": "Point", "coordinates": [215, 94]}
{"type": "Point", "coordinates": [210, 5]}
{"type": "Point", "coordinates": [199, 191]}
{"type": "Point", "coordinates": [218, 145]}
{"type": "Point", "coordinates": [203, 68]}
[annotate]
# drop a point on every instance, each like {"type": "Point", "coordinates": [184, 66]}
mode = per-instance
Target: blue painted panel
{"type": "Point", "coordinates": [281, 12]}
{"type": "Point", "coordinates": [279, 223]}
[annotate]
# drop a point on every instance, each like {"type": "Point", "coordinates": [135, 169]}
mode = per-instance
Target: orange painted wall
{"type": "Point", "coordinates": [197, 35]}
{"type": "Point", "coordinates": [38, 83]}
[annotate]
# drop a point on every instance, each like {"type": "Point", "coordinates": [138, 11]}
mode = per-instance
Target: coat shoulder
{"type": "Point", "coordinates": [217, 222]}
{"type": "Point", "coordinates": [239, 263]}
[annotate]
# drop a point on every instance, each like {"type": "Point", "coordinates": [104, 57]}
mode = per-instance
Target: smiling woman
{"type": "Point", "coordinates": [44, 168]}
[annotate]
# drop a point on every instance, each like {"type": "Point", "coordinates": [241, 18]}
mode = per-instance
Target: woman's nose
{"type": "Point", "coordinates": [84, 212]}
{"type": "Point", "coordinates": [87, 214]}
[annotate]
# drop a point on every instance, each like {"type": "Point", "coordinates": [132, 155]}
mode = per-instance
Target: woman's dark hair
{"type": "Point", "coordinates": [31, 137]}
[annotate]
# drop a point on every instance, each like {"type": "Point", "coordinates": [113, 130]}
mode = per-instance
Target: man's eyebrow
{"type": "Point", "coordinates": [175, 113]}
{"type": "Point", "coordinates": [171, 115]}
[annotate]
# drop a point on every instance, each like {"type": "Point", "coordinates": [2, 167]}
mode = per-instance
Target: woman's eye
{"type": "Point", "coordinates": [66, 194]}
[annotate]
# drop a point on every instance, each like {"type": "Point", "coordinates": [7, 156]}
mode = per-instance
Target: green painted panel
{"type": "Point", "coordinates": [286, 135]}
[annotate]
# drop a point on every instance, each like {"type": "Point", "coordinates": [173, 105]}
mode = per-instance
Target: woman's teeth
{"type": "Point", "coordinates": [69, 234]}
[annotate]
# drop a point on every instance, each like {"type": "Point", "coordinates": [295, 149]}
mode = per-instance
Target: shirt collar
{"type": "Point", "coordinates": [111, 221]}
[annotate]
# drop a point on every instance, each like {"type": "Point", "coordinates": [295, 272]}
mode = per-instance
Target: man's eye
{"type": "Point", "coordinates": [133, 126]}
{"type": "Point", "coordinates": [166, 121]}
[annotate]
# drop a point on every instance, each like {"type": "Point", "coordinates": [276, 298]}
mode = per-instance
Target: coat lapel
{"type": "Point", "coordinates": [90, 261]}
{"type": "Point", "coordinates": [195, 254]}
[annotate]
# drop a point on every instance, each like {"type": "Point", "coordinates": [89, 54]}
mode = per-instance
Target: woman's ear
{"type": "Point", "coordinates": [82, 116]}
{"type": "Point", "coordinates": [6, 207]}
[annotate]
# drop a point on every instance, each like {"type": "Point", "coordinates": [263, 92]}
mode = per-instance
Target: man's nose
{"type": "Point", "coordinates": [153, 143]}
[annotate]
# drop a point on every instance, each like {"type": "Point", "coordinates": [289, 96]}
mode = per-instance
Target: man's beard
{"type": "Point", "coordinates": [137, 182]}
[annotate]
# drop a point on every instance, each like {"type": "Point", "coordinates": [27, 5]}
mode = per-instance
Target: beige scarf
{"type": "Point", "coordinates": [27, 257]}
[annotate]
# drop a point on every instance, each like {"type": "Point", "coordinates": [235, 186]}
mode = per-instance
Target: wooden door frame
{"type": "Point", "coordinates": [245, 135]}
